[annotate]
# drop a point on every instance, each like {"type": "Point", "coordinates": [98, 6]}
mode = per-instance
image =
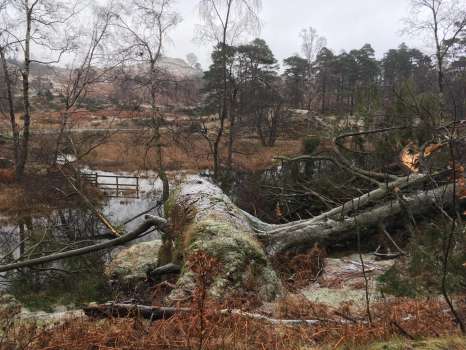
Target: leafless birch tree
{"type": "Point", "coordinates": [443, 20]}
{"type": "Point", "coordinates": [145, 25]}
{"type": "Point", "coordinates": [34, 36]}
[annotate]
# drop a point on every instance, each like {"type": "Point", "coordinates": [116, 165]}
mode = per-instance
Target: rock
{"type": "Point", "coordinates": [6, 163]}
{"type": "Point", "coordinates": [130, 265]}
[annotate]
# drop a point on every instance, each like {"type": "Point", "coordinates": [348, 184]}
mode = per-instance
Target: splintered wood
{"type": "Point", "coordinates": [410, 155]}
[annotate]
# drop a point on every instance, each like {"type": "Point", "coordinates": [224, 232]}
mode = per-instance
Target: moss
{"type": "Point", "coordinates": [241, 256]}
{"type": "Point", "coordinates": [180, 217]}
{"type": "Point", "coordinates": [221, 240]}
{"type": "Point", "coordinates": [171, 202]}
{"type": "Point", "coordinates": [133, 262]}
{"type": "Point", "coordinates": [178, 251]}
{"type": "Point", "coordinates": [165, 253]}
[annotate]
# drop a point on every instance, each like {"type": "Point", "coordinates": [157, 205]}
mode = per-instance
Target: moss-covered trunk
{"type": "Point", "coordinates": [203, 219]}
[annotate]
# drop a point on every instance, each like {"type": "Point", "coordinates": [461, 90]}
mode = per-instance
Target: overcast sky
{"type": "Point", "coordinates": [347, 24]}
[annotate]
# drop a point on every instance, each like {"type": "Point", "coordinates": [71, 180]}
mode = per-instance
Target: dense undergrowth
{"type": "Point", "coordinates": [293, 322]}
{"type": "Point", "coordinates": [214, 328]}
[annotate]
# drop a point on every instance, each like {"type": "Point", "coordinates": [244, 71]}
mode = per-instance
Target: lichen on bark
{"type": "Point", "coordinates": [204, 219]}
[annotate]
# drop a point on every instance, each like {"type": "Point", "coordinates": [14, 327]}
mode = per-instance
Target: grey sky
{"type": "Point", "coordinates": [347, 24]}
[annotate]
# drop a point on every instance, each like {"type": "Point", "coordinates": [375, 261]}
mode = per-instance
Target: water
{"type": "Point", "coordinates": [74, 226]}
{"type": "Point", "coordinates": [119, 210]}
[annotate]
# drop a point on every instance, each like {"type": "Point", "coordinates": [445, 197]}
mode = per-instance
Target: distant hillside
{"type": "Point", "coordinates": [179, 68]}
{"type": "Point", "coordinates": [176, 67]}
{"type": "Point", "coordinates": [49, 79]}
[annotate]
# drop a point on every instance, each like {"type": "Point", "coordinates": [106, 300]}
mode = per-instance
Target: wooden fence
{"type": "Point", "coordinates": [114, 186]}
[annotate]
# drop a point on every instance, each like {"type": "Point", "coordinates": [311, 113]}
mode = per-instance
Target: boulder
{"type": "Point", "coordinates": [130, 265]}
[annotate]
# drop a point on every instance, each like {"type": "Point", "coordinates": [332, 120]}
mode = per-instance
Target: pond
{"type": "Point", "coordinates": [70, 228]}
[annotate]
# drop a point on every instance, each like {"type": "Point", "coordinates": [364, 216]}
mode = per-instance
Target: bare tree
{"type": "Point", "coordinates": [7, 46]}
{"type": "Point", "coordinates": [312, 44]}
{"type": "Point", "coordinates": [90, 65]}
{"type": "Point", "coordinates": [35, 37]}
{"type": "Point", "coordinates": [444, 20]}
{"type": "Point", "coordinates": [146, 24]}
{"type": "Point", "coordinates": [224, 23]}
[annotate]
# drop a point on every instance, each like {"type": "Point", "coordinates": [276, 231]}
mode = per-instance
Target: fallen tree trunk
{"type": "Point", "coordinates": [153, 313]}
{"type": "Point", "coordinates": [159, 272]}
{"type": "Point", "coordinates": [203, 218]}
{"type": "Point", "coordinates": [113, 310]}
{"type": "Point", "coordinates": [330, 231]}
{"type": "Point", "coordinates": [152, 222]}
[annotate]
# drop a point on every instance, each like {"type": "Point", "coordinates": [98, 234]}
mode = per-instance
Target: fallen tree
{"type": "Point", "coordinates": [150, 223]}
{"type": "Point", "coordinates": [200, 217]}
{"type": "Point", "coordinates": [115, 310]}
{"type": "Point", "coordinates": [203, 218]}
{"type": "Point", "coordinates": [154, 313]}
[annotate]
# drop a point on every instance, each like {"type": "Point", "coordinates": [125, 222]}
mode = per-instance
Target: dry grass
{"type": "Point", "coordinates": [298, 271]}
{"type": "Point", "coordinates": [7, 176]}
{"type": "Point", "coordinates": [37, 194]}
{"type": "Point", "coordinates": [129, 152]}
{"type": "Point", "coordinates": [12, 197]}
{"type": "Point", "coordinates": [338, 329]}
{"type": "Point", "coordinates": [211, 324]}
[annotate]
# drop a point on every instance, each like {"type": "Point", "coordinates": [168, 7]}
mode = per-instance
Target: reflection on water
{"type": "Point", "coordinates": [69, 281]}
{"type": "Point", "coordinates": [119, 210]}
{"type": "Point", "coordinates": [64, 229]}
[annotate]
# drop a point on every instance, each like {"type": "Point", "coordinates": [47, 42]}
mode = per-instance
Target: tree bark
{"type": "Point", "coordinates": [204, 219]}
{"type": "Point", "coordinates": [11, 105]}
{"type": "Point", "coordinates": [24, 150]}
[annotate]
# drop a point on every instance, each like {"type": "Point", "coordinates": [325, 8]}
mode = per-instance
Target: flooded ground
{"type": "Point", "coordinates": [65, 228]}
